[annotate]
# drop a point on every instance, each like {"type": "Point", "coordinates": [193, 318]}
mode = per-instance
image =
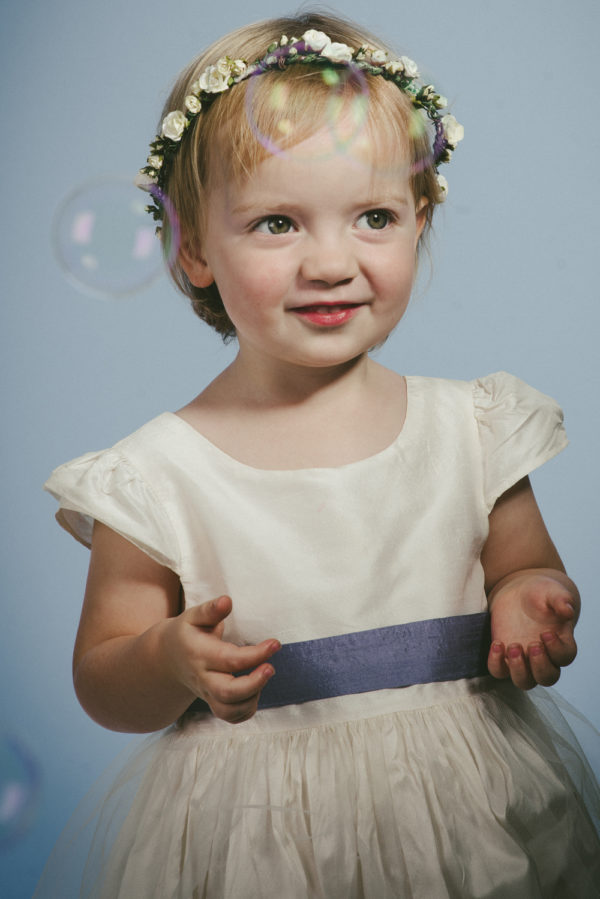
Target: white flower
{"type": "Point", "coordinates": [315, 40]}
{"type": "Point", "coordinates": [441, 102]}
{"type": "Point", "coordinates": [410, 67]}
{"type": "Point", "coordinates": [155, 161]}
{"type": "Point", "coordinates": [283, 40]}
{"type": "Point", "coordinates": [192, 104]}
{"type": "Point", "coordinates": [238, 68]}
{"type": "Point", "coordinates": [271, 61]}
{"type": "Point", "coordinates": [223, 66]}
{"type": "Point", "coordinates": [195, 87]}
{"type": "Point", "coordinates": [337, 52]}
{"type": "Point", "coordinates": [213, 81]}
{"type": "Point", "coordinates": [443, 186]}
{"type": "Point", "coordinates": [293, 52]}
{"type": "Point", "coordinates": [395, 67]}
{"type": "Point", "coordinates": [452, 129]}
{"type": "Point", "coordinates": [144, 181]}
{"type": "Point", "coordinates": [174, 125]}
{"type": "Point", "coordinates": [378, 57]}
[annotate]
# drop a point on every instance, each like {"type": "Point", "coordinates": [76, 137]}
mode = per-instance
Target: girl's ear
{"type": "Point", "coordinates": [195, 267]}
{"type": "Point", "coordinates": [421, 211]}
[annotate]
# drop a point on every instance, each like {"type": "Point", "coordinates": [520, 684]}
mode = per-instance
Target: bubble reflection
{"type": "Point", "coordinates": [104, 239]}
{"type": "Point", "coordinates": [20, 783]}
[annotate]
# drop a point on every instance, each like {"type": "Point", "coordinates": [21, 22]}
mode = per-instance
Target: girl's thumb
{"type": "Point", "coordinates": [209, 614]}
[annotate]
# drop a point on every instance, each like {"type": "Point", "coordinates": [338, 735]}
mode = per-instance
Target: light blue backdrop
{"type": "Point", "coordinates": [514, 287]}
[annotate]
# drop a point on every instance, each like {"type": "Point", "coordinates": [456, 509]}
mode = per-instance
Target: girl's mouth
{"type": "Point", "coordinates": [328, 314]}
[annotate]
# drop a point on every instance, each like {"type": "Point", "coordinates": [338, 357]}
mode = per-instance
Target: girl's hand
{"type": "Point", "coordinates": [533, 617]}
{"type": "Point", "coordinates": [196, 655]}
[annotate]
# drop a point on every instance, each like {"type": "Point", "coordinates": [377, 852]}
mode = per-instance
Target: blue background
{"type": "Point", "coordinates": [513, 286]}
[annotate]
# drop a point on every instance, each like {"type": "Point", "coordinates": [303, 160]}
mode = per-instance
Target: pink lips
{"type": "Point", "coordinates": [326, 314]}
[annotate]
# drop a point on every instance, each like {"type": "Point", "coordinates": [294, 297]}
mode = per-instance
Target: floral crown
{"type": "Point", "coordinates": [313, 47]}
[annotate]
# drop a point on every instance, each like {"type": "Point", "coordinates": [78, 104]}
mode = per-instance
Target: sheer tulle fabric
{"type": "Point", "coordinates": [478, 796]}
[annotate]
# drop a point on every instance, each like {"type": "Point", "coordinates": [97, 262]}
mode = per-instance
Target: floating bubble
{"type": "Point", "coordinates": [20, 783]}
{"type": "Point", "coordinates": [344, 115]}
{"type": "Point", "coordinates": [105, 240]}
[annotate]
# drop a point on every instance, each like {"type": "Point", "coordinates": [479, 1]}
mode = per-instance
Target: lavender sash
{"type": "Point", "coordinates": [439, 649]}
{"type": "Point", "coordinates": [421, 652]}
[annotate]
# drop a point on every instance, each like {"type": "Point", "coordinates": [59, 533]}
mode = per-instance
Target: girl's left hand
{"type": "Point", "coordinates": [533, 616]}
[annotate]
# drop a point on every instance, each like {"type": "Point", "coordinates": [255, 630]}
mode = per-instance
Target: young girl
{"type": "Point", "coordinates": [296, 574]}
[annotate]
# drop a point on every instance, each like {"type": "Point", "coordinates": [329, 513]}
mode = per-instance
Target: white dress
{"type": "Point", "coordinates": [388, 765]}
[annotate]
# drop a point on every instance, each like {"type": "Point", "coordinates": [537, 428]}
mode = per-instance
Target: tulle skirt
{"type": "Point", "coordinates": [440, 791]}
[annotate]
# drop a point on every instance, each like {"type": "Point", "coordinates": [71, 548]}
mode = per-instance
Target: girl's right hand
{"type": "Point", "coordinates": [197, 656]}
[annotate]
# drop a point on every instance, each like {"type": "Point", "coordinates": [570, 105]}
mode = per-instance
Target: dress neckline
{"type": "Point", "coordinates": [227, 458]}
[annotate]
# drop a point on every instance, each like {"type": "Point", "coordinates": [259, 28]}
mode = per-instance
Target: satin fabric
{"type": "Point", "coordinates": [453, 789]}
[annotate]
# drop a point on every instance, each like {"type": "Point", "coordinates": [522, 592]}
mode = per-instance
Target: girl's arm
{"type": "Point", "coordinates": [534, 606]}
{"type": "Point", "coordinates": [138, 663]}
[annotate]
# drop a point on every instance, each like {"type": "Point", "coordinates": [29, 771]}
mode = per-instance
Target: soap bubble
{"type": "Point", "coordinates": [105, 241]}
{"type": "Point", "coordinates": [20, 783]}
{"type": "Point", "coordinates": [345, 114]}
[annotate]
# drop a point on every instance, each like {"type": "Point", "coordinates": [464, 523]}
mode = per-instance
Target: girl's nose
{"type": "Point", "coordinates": [329, 261]}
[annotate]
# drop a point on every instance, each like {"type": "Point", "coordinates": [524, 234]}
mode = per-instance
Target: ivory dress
{"type": "Point", "coordinates": [383, 762]}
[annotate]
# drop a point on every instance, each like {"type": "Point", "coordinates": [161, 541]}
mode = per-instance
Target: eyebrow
{"type": "Point", "coordinates": [280, 207]}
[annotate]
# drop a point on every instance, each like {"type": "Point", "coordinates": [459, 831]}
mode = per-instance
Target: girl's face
{"type": "Point", "coordinates": [313, 255]}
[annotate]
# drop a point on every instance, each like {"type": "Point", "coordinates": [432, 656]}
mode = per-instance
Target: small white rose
{"type": "Point", "coordinates": [283, 41]}
{"type": "Point", "coordinates": [441, 102]}
{"type": "Point", "coordinates": [453, 130]}
{"type": "Point", "coordinates": [155, 161]}
{"type": "Point", "coordinates": [174, 125]}
{"type": "Point", "coordinates": [144, 181]}
{"type": "Point", "coordinates": [271, 61]}
{"type": "Point", "coordinates": [315, 40]}
{"type": "Point", "coordinates": [293, 52]}
{"type": "Point", "coordinates": [410, 67]}
{"type": "Point", "coordinates": [395, 67]}
{"type": "Point", "coordinates": [192, 104]}
{"type": "Point", "coordinates": [443, 186]}
{"type": "Point", "coordinates": [223, 66]}
{"type": "Point", "coordinates": [212, 81]}
{"type": "Point", "coordinates": [337, 52]}
{"type": "Point", "coordinates": [238, 68]}
{"type": "Point", "coordinates": [378, 57]}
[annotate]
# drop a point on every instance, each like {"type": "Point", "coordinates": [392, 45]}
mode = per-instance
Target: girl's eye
{"type": "Point", "coordinates": [274, 224]}
{"type": "Point", "coordinates": [375, 219]}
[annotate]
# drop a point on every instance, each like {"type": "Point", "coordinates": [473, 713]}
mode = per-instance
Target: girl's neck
{"type": "Point", "coordinates": [276, 386]}
{"type": "Point", "coordinates": [324, 418]}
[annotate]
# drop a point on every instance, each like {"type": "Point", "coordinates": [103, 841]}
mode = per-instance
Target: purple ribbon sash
{"type": "Point", "coordinates": [421, 652]}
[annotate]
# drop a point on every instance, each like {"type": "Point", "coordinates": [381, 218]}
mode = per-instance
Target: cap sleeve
{"type": "Point", "coordinates": [106, 487]}
{"type": "Point", "coordinates": [519, 429]}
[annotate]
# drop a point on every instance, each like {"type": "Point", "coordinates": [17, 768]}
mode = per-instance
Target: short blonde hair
{"type": "Point", "coordinates": [225, 136]}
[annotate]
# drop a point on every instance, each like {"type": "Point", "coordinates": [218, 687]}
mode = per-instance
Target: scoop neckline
{"type": "Point", "coordinates": [219, 453]}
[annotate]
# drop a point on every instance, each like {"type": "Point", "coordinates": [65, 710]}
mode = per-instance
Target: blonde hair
{"type": "Point", "coordinates": [224, 135]}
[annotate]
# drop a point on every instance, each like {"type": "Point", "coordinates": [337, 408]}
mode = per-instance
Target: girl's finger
{"type": "Point", "coordinates": [227, 658]}
{"type": "Point", "coordinates": [542, 668]}
{"type": "Point", "coordinates": [496, 662]}
{"type": "Point", "coordinates": [236, 698]}
{"type": "Point", "coordinates": [519, 669]}
{"type": "Point", "coordinates": [561, 650]}
{"type": "Point", "coordinates": [209, 614]}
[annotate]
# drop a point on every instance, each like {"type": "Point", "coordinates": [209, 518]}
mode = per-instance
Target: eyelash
{"type": "Point", "coordinates": [388, 217]}
{"type": "Point", "coordinates": [264, 225]}
{"type": "Point", "coordinates": [268, 220]}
